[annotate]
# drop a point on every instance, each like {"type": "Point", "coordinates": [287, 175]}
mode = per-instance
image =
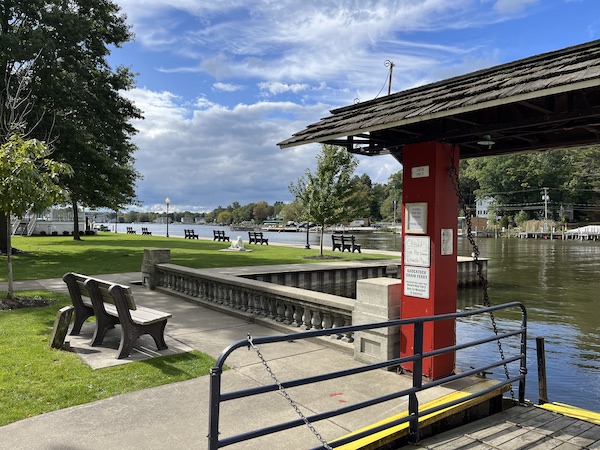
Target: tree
{"type": "Point", "coordinates": [260, 211]}
{"type": "Point", "coordinates": [224, 217]}
{"type": "Point", "coordinates": [28, 181]}
{"type": "Point", "coordinates": [79, 104]}
{"type": "Point", "coordinates": [329, 195]}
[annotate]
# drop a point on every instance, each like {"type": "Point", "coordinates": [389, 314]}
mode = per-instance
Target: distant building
{"type": "Point", "coordinates": [482, 206]}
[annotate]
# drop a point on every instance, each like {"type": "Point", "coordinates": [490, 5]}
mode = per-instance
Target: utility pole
{"type": "Point", "coordinates": [545, 197]}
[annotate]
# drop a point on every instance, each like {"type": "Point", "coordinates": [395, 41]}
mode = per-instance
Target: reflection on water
{"type": "Point", "coordinates": [559, 283]}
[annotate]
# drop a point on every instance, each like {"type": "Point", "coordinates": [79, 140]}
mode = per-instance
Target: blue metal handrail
{"type": "Point", "coordinates": [216, 397]}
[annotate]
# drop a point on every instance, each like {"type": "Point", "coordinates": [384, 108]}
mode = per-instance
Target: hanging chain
{"type": "Point", "coordinates": [482, 279]}
{"type": "Point", "coordinates": [283, 392]}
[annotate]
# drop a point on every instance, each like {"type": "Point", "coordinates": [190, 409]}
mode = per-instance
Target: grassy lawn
{"type": "Point", "coordinates": [35, 379]}
{"type": "Point", "coordinates": [53, 256]}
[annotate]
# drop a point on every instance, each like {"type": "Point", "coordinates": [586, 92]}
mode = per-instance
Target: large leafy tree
{"type": "Point", "coordinates": [517, 180]}
{"type": "Point", "coordinates": [76, 97]}
{"type": "Point", "coordinates": [331, 194]}
{"type": "Point", "coordinates": [28, 181]}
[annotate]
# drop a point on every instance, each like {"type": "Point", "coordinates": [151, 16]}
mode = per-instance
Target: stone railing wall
{"type": "Point", "coordinates": [335, 281]}
{"type": "Point", "coordinates": [290, 306]}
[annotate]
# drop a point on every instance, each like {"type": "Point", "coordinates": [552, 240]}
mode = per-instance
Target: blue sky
{"type": "Point", "coordinates": [220, 82]}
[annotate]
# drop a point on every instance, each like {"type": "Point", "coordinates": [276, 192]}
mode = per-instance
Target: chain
{"type": "Point", "coordinates": [283, 392]}
{"type": "Point", "coordinates": [482, 279]}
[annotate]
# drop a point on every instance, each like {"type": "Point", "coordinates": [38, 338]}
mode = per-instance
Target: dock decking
{"type": "Point", "coordinates": [519, 427]}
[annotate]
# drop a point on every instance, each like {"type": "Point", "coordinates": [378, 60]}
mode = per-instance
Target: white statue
{"type": "Point", "coordinates": [237, 244]}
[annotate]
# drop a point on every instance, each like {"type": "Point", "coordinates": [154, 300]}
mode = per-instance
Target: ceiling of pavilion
{"type": "Point", "coordinates": [543, 102]}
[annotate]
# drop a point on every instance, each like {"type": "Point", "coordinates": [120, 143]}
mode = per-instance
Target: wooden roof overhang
{"type": "Point", "coordinates": [543, 102]}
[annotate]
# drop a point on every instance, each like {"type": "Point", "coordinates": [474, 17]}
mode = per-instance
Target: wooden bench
{"type": "Point", "coordinates": [219, 235]}
{"type": "Point", "coordinates": [337, 242]}
{"type": "Point", "coordinates": [113, 304]}
{"type": "Point", "coordinates": [145, 232]}
{"type": "Point", "coordinates": [256, 237]}
{"type": "Point", "coordinates": [190, 234]}
{"type": "Point", "coordinates": [130, 230]}
{"type": "Point", "coordinates": [348, 243]}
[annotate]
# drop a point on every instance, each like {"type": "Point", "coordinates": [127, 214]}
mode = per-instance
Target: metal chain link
{"type": "Point", "coordinates": [483, 280]}
{"type": "Point", "coordinates": [283, 392]}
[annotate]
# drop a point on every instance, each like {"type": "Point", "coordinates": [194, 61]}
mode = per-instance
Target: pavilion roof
{"type": "Point", "coordinates": [542, 102]}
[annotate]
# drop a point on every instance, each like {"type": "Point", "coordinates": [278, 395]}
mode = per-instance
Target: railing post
{"type": "Point", "coordinates": [214, 408]}
{"type": "Point", "coordinates": [523, 366]}
{"type": "Point", "coordinates": [541, 363]}
{"type": "Point", "coordinates": [413, 401]}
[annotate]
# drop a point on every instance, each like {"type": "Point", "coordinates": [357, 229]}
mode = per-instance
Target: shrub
{"type": "Point", "coordinates": [65, 233]}
{"type": "Point", "coordinates": [43, 233]}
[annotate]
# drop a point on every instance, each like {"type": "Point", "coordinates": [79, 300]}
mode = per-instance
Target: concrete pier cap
{"type": "Point", "coordinates": [153, 256]}
{"type": "Point", "coordinates": [377, 300]}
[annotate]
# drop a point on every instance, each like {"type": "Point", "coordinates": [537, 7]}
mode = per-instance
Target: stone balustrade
{"type": "Point", "coordinates": [290, 306]}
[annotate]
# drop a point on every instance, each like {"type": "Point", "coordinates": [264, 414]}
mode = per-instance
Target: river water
{"type": "Point", "coordinates": [558, 281]}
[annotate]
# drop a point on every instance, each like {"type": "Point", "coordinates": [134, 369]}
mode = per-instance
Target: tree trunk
{"type": "Point", "coordinates": [9, 257]}
{"type": "Point", "coordinates": [76, 236]}
{"type": "Point", "coordinates": [321, 244]}
{"type": "Point", "coordinates": [4, 231]}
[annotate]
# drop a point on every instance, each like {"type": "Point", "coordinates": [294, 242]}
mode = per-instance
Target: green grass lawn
{"type": "Point", "coordinates": [35, 379]}
{"type": "Point", "coordinates": [53, 256]}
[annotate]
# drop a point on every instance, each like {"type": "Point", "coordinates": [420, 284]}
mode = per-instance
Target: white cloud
{"type": "Point", "coordinates": [227, 87]}
{"type": "Point", "coordinates": [275, 87]}
{"type": "Point", "coordinates": [513, 6]}
{"type": "Point", "coordinates": [209, 155]}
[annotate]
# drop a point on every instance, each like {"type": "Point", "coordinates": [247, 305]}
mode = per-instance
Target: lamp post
{"type": "Point", "coordinates": [168, 202]}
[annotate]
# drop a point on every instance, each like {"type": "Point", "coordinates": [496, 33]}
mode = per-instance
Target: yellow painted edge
{"type": "Point", "coordinates": [572, 411]}
{"type": "Point", "coordinates": [363, 442]}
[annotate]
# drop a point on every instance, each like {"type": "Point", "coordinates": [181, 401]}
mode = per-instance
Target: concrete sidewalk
{"type": "Point", "coordinates": [175, 416]}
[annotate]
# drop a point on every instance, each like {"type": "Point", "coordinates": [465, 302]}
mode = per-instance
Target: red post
{"type": "Point", "coordinates": [429, 238]}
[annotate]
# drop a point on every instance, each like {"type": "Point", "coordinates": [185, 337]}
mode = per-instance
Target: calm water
{"type": "Point", "coordinates": [558, 281]}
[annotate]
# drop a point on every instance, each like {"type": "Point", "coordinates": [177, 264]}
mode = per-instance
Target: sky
{"type": "Point", "coordinates": [221, 82]}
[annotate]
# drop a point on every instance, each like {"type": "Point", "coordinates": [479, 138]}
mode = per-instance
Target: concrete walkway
{"type": "Point", "coordinates": [175, 416]}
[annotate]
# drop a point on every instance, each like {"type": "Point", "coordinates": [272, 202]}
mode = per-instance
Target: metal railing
{"type": "Point", "coordinates": [414, 413]}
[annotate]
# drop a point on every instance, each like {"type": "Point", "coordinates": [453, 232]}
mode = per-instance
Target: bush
{"type": "Point", "coordinates": [55, 233]}
{"type": "Point", "coordinates": [65, 233]}
{"type": "Point", "coordinates": [43, 233]}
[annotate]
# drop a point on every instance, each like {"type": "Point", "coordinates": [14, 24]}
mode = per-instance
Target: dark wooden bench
{"type": "Point", "coordinates": [190, 234]}
{"type": "Point", "coordinates": [113, 304]}
{"type": "Point", "coordinates": [256, 237]}
{"type": "Point", "coordinates": [130, 230]}
{"type": "Point", "coordinates": [219, 235]}
{"type": "Point", "coordinates": [349, 243]}
{"type": "Point", "coordinates": [145, 231]}
{"type": "Point", "coordinates": [337, 242]}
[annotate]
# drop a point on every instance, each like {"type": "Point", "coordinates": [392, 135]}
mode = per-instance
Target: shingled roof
{"type": "Point", "coordinates": [546, 101]}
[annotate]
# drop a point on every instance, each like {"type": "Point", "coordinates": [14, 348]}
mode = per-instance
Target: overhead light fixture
{"type": "Point", "coordinates": [487, 140]}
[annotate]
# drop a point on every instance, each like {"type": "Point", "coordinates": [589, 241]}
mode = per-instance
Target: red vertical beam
{"type": "Point", "coordinates": [429, 233]}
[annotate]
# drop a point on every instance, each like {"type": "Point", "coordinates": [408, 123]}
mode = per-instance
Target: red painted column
{"type": "Point", "coordinates": [429, 265]}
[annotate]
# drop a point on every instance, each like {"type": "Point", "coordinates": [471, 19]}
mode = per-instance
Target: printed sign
{"type": "Point", "coordinates": [416, 281]}
{"type": "Point", "coordinates": [420, 172]}
{"type": "Point", "coordinates": [416, 218]}
{"type": "Point", "coordinates": [417, 251]}
{"type": "Point", "coordinates": [447, 242]}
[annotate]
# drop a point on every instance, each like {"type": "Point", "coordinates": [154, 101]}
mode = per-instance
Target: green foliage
{"type": "Point", "coordinates": [36, 379]}
{"type": "Point", "coordinates": [28, 177]}
{"type": "Point", "coordinates": [330, 195]}
{"type": "Point", "coordinates": [516, 180]}
{"type": "Point", "coordinates": [521, 217]}
{"type": "Point", "coordinates": [76, 97]}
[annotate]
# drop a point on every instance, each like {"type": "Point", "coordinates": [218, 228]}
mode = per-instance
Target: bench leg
{"type": "Point", "coordinates": [130, 334]}
{"type": "Point", "coordinates": [80, 316]}
{"type": "Point", "coordinates": [103, 324]}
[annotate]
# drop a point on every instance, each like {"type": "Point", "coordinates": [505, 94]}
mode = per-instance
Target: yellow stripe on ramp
{"type": "Point", "coordinates": [572, 411]}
